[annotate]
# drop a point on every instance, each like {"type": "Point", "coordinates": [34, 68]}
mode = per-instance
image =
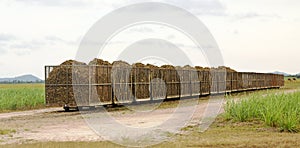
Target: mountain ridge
{"type": "Point", "coordinates": [27, 78]}
{"type": "Point", "coordinates": [282, 73]}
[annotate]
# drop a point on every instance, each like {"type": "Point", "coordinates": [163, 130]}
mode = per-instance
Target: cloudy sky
{"type": "Point", "coordinates": [256, 35]}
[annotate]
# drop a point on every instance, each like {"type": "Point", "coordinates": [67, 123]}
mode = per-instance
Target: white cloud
{"type": "Point", "coordinates": [54, 38]}
{"type": "Point", "coordinates": [49, 31]}
{"type": "Point", "coordinates": [142, 30]}
{"type": "Point", "coordinates": [6, 37]}
{"type": "Point", "coordinates": [22, 51]}
{"type": "Point", "coordinates": [2, 51]}
{"type": "Point", "coordinates": [201, 7]}
{"type": "Point", "coordinates": [68, 3]}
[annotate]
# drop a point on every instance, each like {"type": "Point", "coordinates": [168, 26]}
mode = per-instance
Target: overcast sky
{"type": "Point", "coordinates": [256, 35]}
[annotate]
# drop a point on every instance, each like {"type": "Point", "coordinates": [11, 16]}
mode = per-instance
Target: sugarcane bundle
{"type": "Point", "coordinates": [60, 84]}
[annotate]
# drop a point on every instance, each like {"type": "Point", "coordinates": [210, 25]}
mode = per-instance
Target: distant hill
{"type": "Point", "coordinates": [296, 75]}
{"type": "Point", "coordinates": [22, 79]}
{"type": "Point", "coordinates": [282, 73]}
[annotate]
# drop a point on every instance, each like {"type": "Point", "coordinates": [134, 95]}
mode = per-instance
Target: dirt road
{"type": "Point", "coordinates": [53, 124]}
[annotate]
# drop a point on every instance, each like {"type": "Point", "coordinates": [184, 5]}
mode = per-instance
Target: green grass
{"type": "Point", "coordinates": [291, 84]}
{"type": "Point", "coordinates": [21, 96]}
{"type": "Point", "coordinates": [6, 131]}
{"type": "Point", "coordinates": [289, 77]}
{"type": "Point", "coordinates": [275, 110]}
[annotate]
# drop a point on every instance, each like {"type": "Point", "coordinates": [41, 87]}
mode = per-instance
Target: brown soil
{"type": "Point", "coordinates": [53, 124]}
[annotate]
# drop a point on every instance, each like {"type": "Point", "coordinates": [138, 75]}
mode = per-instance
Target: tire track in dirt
{"type": "Point", "coordinates": [26, 113]}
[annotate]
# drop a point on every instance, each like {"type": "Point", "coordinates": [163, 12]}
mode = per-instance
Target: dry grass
{"type": "Point", "coordinates": [226, 134]}
{"type": "Point", "coordinates": [220, 134]}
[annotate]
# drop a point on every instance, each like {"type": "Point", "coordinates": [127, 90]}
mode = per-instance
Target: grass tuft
{"type": "Point", "coordinates": [7, 131]}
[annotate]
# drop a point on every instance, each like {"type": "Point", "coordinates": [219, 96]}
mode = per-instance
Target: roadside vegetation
{"type": "Point", "coordinates": [21, 96]}
{"type": "Point", "coordinates": [272, 107]}
{"type": "Point", "coordinates": [275, 110]}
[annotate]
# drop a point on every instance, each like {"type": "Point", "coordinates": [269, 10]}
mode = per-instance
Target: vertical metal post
{"type": "Point", "coordinates": [150, 84]}
{"type": "Point", "coordinates": [232, 80]}
{"type": "Point", "coordinates": [89, 67]}
{"type": "Point", "coordinates": [67, 73]}
{"type": "Point", "coordinates": [209, 74]}
{"type": "Point", "coordinates": [165, 75]}
{"type": "Point", "coordinates": [112, 84]}
{"type": "Point", "coordinates": [45, 81]}
{"type": "Point", "coordinates": [218, 81]}
{"type": "Point", "coordinates": [45, 68]}
{"type": "Point", "coordinates": [179, 83]}
{"type": "Point", "coordinates": [190, 76]}
{"type": "Point", "coordinates": [135, 76]}
{"type": "Point", "coordinates": [200, 78]}
{"type": "Point", "coordinates": [249, 79]}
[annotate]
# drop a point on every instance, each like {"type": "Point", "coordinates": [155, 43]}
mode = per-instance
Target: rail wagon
{"type": "Point", "coordinates": [81, 85]}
